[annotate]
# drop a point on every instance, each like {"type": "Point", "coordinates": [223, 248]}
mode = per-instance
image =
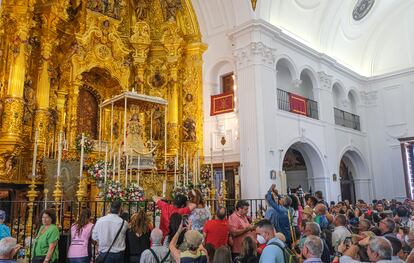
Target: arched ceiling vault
{"type": "Point", "coordinates": [381, 42]}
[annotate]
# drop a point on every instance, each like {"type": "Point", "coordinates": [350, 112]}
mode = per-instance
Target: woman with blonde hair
{"type": "Point", "coordinates": [201, 213]}
{"type": "Point", "coordinates": [248, 253]}
{"type": "Point", "coordinates": [137, 236]}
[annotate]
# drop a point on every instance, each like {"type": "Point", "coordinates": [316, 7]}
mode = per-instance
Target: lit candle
{"type": "Point", "coordinates": [126, 170]}
{"type": "Point", "coordinates": [164, 187]}
{"type": "Point", "coordinates": [106, 163]}
{"type": "Point", "coordinates": [113, 168]}
{"type": "Point", "coordinates": [198, 166]}
{"type": "Point", "coordinates": [119, 163]}
{"type": "Point", "coordinates": [81, 157]}
{"type": "Point", "coordinates": [175, 169]}
{"type": "Point", "coordinates": [139, 166]}
{"type": "Point", "coordinates": [35, 154]}
{"type": "Point", "coordinates": [59, 153]}
{"type": "Point", "coordinates": [186, 171]}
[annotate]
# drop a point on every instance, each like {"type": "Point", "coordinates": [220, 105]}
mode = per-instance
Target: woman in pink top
{"type": "Point", "coordinates": [80, 235]}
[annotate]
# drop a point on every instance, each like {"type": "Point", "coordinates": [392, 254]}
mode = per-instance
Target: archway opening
{"type": "Point", "coordinates": [296, 171]}
{"type": "Point", "coordinates": [354, 177]}
{"type": "Point", "coordinates": [304, 167]}
{"type": "Point", "coordinates": [346, 172]}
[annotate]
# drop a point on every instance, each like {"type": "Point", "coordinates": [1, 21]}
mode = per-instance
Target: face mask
{"type": "Point", "coordinates": [261, 239]}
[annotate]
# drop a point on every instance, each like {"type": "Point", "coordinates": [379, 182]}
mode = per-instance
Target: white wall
{"type": "Point", "coordinates": [383, 104]}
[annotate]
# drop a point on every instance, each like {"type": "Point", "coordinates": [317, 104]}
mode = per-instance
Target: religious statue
{"type": "Point", "coordinates": [189, 130]}
{"type": "Point", "coordinates": [29, 97]}
{"type": "Point", "coordinates": [135, 140]}
{"type": "Point", "coordinates": [157, 124]}
{"type": "Point", "coordinates": [141, 8]}
{"type": "Point", "coordinates": [171, 7]}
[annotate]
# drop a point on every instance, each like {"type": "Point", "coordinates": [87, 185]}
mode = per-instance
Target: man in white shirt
{"type": "Point", "coordinates": [105, 232]}
{"type": "Point", "coordinates": [340, 232]}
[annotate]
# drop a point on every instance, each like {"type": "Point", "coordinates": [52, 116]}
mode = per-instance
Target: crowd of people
{"type": "Point", "coordinates": [294, 228]}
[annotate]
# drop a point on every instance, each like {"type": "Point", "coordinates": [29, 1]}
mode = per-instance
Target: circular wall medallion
{"type": "Point", "coordinates": [362, 8]}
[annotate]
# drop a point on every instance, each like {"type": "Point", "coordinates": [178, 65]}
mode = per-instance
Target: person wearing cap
{"type": "Point", "coordinates": [4, 230]}
{"type": "Point", "coordinates": [194, 251]}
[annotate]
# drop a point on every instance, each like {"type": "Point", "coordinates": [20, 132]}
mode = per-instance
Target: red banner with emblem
{"type": "Point", "coordinates": [298, 104]}
{"type": "Point", "coordinates": [222, 103]}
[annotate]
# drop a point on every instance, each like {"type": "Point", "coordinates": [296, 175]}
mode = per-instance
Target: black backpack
{"type": "Point", "coordinates": [288, 254]}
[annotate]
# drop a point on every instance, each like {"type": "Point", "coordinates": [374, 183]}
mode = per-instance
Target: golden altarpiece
{"type": "Point", "coordinates": [61, 59]}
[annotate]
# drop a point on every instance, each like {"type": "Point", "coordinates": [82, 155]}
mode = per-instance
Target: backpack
{"type": "Point", "coordinates": [288, 254]}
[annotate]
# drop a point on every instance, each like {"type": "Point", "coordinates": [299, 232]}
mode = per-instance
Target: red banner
{"type": "Point", "coordinates": [222, 103]}
{"type": "Point", "coordinates": [298, 104]}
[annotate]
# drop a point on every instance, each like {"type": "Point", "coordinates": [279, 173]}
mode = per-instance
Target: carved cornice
{"type": "Point", "coordinates": [325, 80]}
{"type": "Point", "coordinates": [255, 53]}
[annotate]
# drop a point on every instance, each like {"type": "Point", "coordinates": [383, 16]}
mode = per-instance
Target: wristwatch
{"type": "Point", "coordinates": [338, 254]}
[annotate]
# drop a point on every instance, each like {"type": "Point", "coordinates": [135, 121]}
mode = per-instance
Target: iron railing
{"type": "Point", "coordinates": [18, 221]}
{"type": "Point", "coordinates": [283, 103]}
{"type": "Point", "coordinates": [347, 119]}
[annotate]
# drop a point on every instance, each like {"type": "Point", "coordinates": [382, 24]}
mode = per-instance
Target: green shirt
{"type": "Point", "coordinates": [42, 242]}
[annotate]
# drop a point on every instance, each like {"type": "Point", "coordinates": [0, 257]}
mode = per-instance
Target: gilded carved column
{"type": "Point", "coordinates": [192, 114]}
{"type": "Point", "coordinates": [141, 41]}
{"type": "Point", "coordinates": [173, 46]}
{"type": "Point", "coordinates": [42, 92]}
{"type": "Point", "coordinates": [13, 103]}
{"type": "Point", "coordinates": [73, 111]}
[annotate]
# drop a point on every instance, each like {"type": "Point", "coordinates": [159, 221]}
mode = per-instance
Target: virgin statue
{"type": "Point", "coordinates": [135, 139]}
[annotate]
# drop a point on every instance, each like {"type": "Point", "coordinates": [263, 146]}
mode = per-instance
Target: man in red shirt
{"type": "Point", "coordinates": [216, 231]}
{"type": "Point", "coordinates": [179, 206]}
{"type": "Point", "coordinates": [240, 226]}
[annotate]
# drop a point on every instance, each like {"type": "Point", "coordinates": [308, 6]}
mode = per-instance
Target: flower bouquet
{"type": "Point", "coordinates": [97, 170]}
{"type": "Point", "coordinates": [204, 189]}
{"type": "Point", "coordinates": [88, 144]}
{"type": "Point", "coordinates": [182, 189]}
{"type": "Point", "coordinates": [113, 191]}
{"type": "Point", "coordinates": [134, 193]}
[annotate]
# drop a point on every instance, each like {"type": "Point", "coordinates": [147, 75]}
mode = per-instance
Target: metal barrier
{"type": "Point", "coordinates": [283, 102]}
{"type": "Point", "coordinates": [18, 212]}
{"type": "Point", "coordinates": [347, 119]}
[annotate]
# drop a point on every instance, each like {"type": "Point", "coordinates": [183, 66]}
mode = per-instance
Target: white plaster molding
{"type": "Point", "coordinates": [255, 53]}
{"type": "Point", "coordinates": [325, 80]}
{"type": "Point", "coordinates": [370, 98]}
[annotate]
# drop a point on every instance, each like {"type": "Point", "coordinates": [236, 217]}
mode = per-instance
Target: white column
{"type": "Point", "coordinates": [256, 81]}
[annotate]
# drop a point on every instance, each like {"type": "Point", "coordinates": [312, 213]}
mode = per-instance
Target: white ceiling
{"type": "Point", "coordinates": [382, 42]}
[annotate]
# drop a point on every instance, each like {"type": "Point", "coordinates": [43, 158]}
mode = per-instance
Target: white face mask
{"type": "Point", "coordinates": [261, 239]}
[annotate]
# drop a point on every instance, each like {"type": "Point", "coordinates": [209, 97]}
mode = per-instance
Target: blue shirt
{"type": "Point", "coordinates": [283, 222]}
{"type": "Point", "coordinates": [273, 253]}
{"type": "Point", "coordinates": [271, 215]}
{"type": "Point", "coordinates": [4, 231]}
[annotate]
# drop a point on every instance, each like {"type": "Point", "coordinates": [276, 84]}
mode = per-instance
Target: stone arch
{"type": "Point", "coordinates": [338, 94]}
{"type": "Point", "coordinates": [315, 164]}
{"type": "Point", "coordinates": [360, 171]}
{"type": "Point", "coordinates": [308, 82]}
{"type": "Point", "coordinates": [223, 66]}
{"type": "Point", "coordinates": [285, 60]}
{"type": "Point", "coordinates": [354, 100]}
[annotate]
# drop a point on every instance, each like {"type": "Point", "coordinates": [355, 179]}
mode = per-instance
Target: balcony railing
{"type": "Point", "coordinates": [284, 102]}
{"type": "Point", "coordinates": [347, 119]}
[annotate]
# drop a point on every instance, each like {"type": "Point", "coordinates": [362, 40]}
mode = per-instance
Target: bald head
{"type": "Point", "coordinates": [156, 236]}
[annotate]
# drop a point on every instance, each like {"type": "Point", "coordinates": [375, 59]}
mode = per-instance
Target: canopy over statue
{"type": "Point", "coordinates": [133, 112]}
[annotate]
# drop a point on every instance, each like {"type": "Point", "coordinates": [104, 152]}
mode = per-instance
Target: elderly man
{"type": "Point", "coordinates": [340, 232]}
{"type": "Point", "coordinates": [312, 249]}
{"type": "Point", "coordinates": [379, 250]}
{"type": "Point", "coordinates": [313, 229]}
{"type": "Point", "coordinates": [8, 248]}
{"type": "Point", "coordinates": [387, 227]}
{"type": "Point", "coordinates": [157, 252]}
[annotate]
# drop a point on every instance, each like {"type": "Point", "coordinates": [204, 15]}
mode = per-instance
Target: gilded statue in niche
{"type": "Point", "coordinates": [189, 130]}
{"type": "Point", "coordinates": [29, 97]}
{"type": "Point", "coordinates": [111, 8]}
{"type": "Point", "coordinates": [171, 8]}
{"type": "Point", "coordinates": [141, 8]}
{"type": "Point", "coordinates": [157, 125]}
